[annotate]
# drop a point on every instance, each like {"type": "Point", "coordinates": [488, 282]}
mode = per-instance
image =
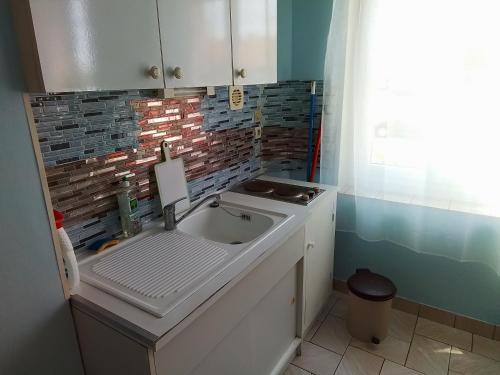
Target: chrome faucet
{"type": "Point", "coordinates": [169, 210]}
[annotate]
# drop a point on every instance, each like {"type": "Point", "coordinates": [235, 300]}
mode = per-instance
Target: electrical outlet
{"type": "Point", "coordinates": [257, 132]}
{"type": "Point", "coordinates": [257, 118]}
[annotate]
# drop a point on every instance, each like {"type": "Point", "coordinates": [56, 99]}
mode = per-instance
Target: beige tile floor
{"type": "Point", "coordinates": [415, 346]}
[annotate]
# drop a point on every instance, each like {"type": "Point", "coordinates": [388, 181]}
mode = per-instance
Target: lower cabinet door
{"type": "Point", "coordinates": [249, 329]}
{"type": "Point", "coordinates": [319, 249]}
{"type": "Point", "coordinates": [257, 343]}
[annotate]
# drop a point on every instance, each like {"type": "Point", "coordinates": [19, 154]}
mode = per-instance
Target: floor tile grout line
{"type": "Point", "coordinates": [294, 365]}
{"type": "Point", "coordinates": [409, 348]}
{"type": "Point", "coordinates": [381, 367]}
{"type": "Point", "coordinates": [316, 330]}
{"type": "Point", "coordinates": [309, 371]}
{"type": "Point", "coordinates": [330, 350]}
{"type": "Point", "coordinates": [375, 354]}
{"type": "Point", "coordinates": [338, 365]}
{"type": "Point", "coordinates": [449, 356]}
{"type": "Point", "coordinates": [449, 360]}
{"type": "Point", "coordinates": [411, 340]}
{"type": "Point", "coordinates": [343, 355]}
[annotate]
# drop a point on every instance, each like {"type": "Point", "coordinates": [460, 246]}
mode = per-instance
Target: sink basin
{"type": "Point", "coordinates": [228, 224]}
{"type": "Point", "coordinates": [158, 270]}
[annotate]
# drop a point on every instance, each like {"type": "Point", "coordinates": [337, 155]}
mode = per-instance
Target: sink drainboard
{"type": "Point", "coordinates": [154, 270]}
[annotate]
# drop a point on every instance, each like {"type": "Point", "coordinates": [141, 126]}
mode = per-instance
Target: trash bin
{"type": "Point", "coordinates": [370, 303]}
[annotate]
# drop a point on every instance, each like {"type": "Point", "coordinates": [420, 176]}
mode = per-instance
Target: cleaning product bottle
{"type": "Point", "coordinates": [69, 258]}
{"type": "Point", "coordinates": [128, 205]}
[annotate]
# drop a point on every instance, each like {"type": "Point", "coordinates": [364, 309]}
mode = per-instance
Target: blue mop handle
{"type": "Point", "coordinates": [312, 112]}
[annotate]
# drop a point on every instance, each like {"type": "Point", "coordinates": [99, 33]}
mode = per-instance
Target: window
{"type": "Point", "coordinates": [424, 81]}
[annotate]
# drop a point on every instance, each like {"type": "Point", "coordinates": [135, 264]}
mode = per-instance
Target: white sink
{"type": "Point", "coordinates": [228, 223]}
{"type": "Point", "coordinates": [158, 269]}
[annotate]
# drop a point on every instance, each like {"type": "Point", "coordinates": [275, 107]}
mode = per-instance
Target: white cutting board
{"type": "Point", "coordinates": [171, 181]}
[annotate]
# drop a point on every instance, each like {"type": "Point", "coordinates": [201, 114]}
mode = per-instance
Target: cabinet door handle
{"type": "Point", "coordinates": [177, 72]}
{"type": "Point", "coordinates": [154, 72]}
{"type": "Point", "coordinates": [310, 245]}
{"type": "Point", "coordinates": [241, 73]}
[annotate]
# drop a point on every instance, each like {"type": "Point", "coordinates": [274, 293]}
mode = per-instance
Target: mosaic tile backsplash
{"type": "Point", "coordinates": [91, 140]}
{"type": "Point", "coordinates": [285, 108]}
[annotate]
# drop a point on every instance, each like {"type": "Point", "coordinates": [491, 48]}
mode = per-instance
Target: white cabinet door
{"type": "Point", "coordinates": [261, 337]}
{"type": "Point", "coordinates": [203, 345]}
{"type": "Point", "coordinates": [254, 29]}
{"type": "Point", "coordinates": [196, 42]}
{"type": "Point", "coordinates": [96, 44]}
{"type": "Point", "coordinates": [319, 242]}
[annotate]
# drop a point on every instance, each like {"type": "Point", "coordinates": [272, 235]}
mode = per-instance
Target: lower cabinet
{"type": "Point", "coordinates": [252, 329]}
{"type": "Point", "coordinates": [253, 346]}
{"type": "Point", "coordinates": [318, 258]}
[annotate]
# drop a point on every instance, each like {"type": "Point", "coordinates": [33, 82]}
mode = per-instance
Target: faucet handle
{"type": "Point", "coordinates": [169, 214]}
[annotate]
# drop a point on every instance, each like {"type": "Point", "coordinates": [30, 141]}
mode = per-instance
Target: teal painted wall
{"type": "Point", "coordinates": [284, 40]}
{"type": "Point", "coordinates": [36, 328]}
{"type": "Point", "coordinates": [311, 24]}
{"type": "Point", "coordinates": [303, 27]}
{"type": "Point", "coordinates": [466, 288]}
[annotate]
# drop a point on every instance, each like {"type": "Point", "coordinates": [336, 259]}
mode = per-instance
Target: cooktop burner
{"type": "Point", "coordinates": [256, 186]}
{"type": "Point", "coordinates": [277, 191]}
{"type": "Point", "coordinates": [288, 192]}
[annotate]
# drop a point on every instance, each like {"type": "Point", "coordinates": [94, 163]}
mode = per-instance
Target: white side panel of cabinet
{"type": "Point", "coordinates": [319, 242]}
{"type": "Point", "coordinates": [254, 36]}
{"type": "Point", "coordinates": [106, 351]}
{"type": "Point", "coordinates": [97, 44]}
{"type": "Point", "coordinates": [196, 39]}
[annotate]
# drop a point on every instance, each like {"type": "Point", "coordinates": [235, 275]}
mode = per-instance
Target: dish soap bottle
{"type": "Point", "coordinates": [128, 205]}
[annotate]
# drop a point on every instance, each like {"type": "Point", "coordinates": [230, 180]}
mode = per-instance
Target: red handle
{"type": "Point", "coordinates": [59, 217]}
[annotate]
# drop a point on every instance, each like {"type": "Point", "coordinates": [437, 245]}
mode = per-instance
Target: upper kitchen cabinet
{"type": "Point", "coordinates": [254, 37]}
{"type": "Point", "coordinates": [89, 44]}
{"type": "Point", "coordinates": [196, 42]}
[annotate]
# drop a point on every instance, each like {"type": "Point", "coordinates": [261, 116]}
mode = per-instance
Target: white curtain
{"type": "Point", "coordinates": [412, 96]}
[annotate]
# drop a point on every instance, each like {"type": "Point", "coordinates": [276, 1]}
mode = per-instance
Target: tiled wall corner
{"type": "Point", "coordinates": [285, 109]}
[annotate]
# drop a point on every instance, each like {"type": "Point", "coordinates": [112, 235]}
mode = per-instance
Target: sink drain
{"type": "Point", "coordinates": [235, 243]}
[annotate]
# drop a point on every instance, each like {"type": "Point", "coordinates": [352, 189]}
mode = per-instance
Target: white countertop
{"type": "Point", "coordinates": [155, 332]}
